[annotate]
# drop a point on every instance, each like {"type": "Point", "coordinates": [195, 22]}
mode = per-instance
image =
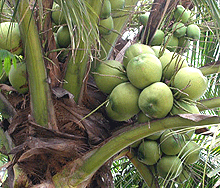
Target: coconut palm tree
{"type": "Point", "coordinates": [58, 133]}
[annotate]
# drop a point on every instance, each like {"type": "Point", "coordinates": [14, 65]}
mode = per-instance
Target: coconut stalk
{"type": "Point", "coordinates": [80, 170]}
{"type": "Point", "coordinates": [208, 104]}
{"type": "Point", "coordinates": [143, 169]}
{"type": "Point", "coordinates": [39, 89]}
{"type": "Point", "coordinates": [108, 41]}
{"type": "Point", "coordinates": [211, 68]}
{"type": "Point", "coordinates": [78, 63]}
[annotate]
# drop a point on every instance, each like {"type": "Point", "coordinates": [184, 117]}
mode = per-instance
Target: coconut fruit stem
{"type": "Point", "coordinates": [76, 172]}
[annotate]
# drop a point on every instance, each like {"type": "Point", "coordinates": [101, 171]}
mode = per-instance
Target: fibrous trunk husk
{"type": "Point", "coordinates": [41, 152]}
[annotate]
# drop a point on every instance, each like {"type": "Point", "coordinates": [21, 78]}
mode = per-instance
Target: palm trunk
{"type": "Point", "coordinates": [41, 104]}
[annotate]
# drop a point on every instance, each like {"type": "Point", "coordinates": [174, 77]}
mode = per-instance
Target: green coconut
{"type": "Point", "coordinates": [115, 115]}
{"type": "Point", "coordinates": [157, 38]}
{"type": "Point", "coordinates": [106, 9]}
{"type": "Point", "coordinates": [106, 26]}
{"type": "Point", "coordinates": [179, 29]}
{"type": "Point", "coordinates": [136, 144]}
{"type": "Point", "coordinates": [154, 136]}
{"type": "Point", "coordinates": [183, 177]}
{"type": "Point", "coordinates": [149, 152]}
{"type": "Point", "coordinates": [10, 37]}
{"type": "Point", "coordinates": [171, 142]}
{"type": "Point", "coordinates": [18, 78]}
{"type": "Point", "coordinates": [171, 42]}
{"type": "Point", "coordinates": [156, 100]}
{"type": "Point", "coordinates": [116, 5]}
{"type": "Point", "coordinates": [144, 18]}
{"type": "Point", "coordinates": [57, 15]}
{"type": "Point", "coordinates": [188, 134]}
{"type": "Point", "coordinates": [190, 153]}
{"type": "Point", "coordinates": [183, 43]}
{"type": "Point", "coordinates": [63, 37]}
{"type": "Point", "coordinates": [191, 81]}
{"type": "Point", "coordinates": [171, 63]}
{"type": "Point", "coordinates": [123, 102]}
{"type": "Point", "coordinates": [182, 14]}
{"type": "Point", "coordinates": [159, 51]}
{"type": "Point", "coordinates": [135, 50]}
{"type": "Point", "coordinates": [169, 167]}
{"type": "Point", "coordinates": [193, 31]}
{"type": "Point", "coordinates": [144, 70]}
{"type": "Point", "coordinates": [182, 107]}
{"type": "Point", "coordinates": [142, 118]}
{"type": "Point", "coordinates": [108, 75]}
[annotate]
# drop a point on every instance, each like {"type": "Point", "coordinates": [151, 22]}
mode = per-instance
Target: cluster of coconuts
{"type": "Point", "coordinates": [11, 41]}
{"type": "Point", "coordinates": [169, 154]}
{"type": "Point", "coordinates": [181, 32]}
{"type": "Point", "coordinates": [151, 81]}
{"type": "Point", "coordinates": [106, 25]}
{"type": "Point", "coordinates": [110, 9]}
{"type": "Point", "coordinates": [62, 35]}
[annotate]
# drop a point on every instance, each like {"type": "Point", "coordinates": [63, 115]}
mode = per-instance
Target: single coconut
{"type": "Point", "coordinates": [144, 70]}
{"type": "Point", "coordinates": [159, 51]}
{"type": "Point", "coordinates": [115, 115]}
{"type": "Point", "coordinates": [156, 100]}
{"type": "Point", "coordinates": [144, 18]}
{"type": "Point", "coordinates": [183, 43]}
{"type": "Point", "coordinates": [183, 177]}
{"type": "Point", "coordinates": [191, 81]}
{"type": "Point", "coordinates": [123, 102]}
{"type": "Point", "coordinates": [106, 26]}
{"type": "Point", "coordinates": [182, 107]}
{"type": "Point", "coordinates": [149, 152]}
{"type": "Point", "coordinates": [193, 31]}
{"type": "Point", "coordinates": [171, 63]}
{"type": "Point", "coordinates": [109, 74]}
{"type": "Point", "coordinates": [57, 15]}
{"type": "Point", "coordinates": [135, 50]}
{"type": "Point", "coordinates": [188, 134]}
{"type": "Point", "coordinates": [18, 78]}
{"type": "Point", "coordinates": [169, 167]}
{"type": "Point", "coordinates": [190, 153]}
{"type": "Point", "coordinates": [136, 144]}
{"type": "Point", "coordinates": [106, 9]}
{"type": "Point", "coordinates": [157, 38]}
{"type": "Point", "coordinates": [142, 118]}
{"type": "Point", "coordinates": [171, 42]}
{"type": "Point", "coordinates": [171, 142]}
{"type": "Point", "coordinates": [179, 29]}
{"type": "Point", "coordinates": [154, 136]}
{"type": "Point", "coordinates": [63, 37]}
{"type": "Point", "coordinates": [10, 37]}
{"type": "Point", "coordinates": [116, 5]}
{"type": "Point", "coordinates": [182, 14]}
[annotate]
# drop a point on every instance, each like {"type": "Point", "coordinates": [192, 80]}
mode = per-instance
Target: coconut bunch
{"type": "Point", "coordinates": [109, 10]}
{"type": "Point", "coordinates": [151, 80]}
{"type": "Point", "coordinates": [11, 41]}
{"type": "Point", "coordinates": [169, 154]}
{"type": "Point", "coordinates": [62, 35]}
{"type": "Point", "coordinates": [183, 30]}
{"type": "Point", "coordinates": [10, 37]}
